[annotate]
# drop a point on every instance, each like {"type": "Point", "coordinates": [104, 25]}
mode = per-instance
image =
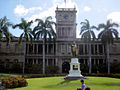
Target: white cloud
{"type": "Point", "coordinates": [20, 10]}
{"type": "Point", "coordinates": [51, 10]}
{"type": "Point", "coordinates": [86, 9]}
{"type": "Point", "coordinates": [115, 16]}
{"type": "Point", "coordinates": [69, 4]}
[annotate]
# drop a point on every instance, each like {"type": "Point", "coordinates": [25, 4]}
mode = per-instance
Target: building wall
{"type": "Point", "coordinates": [59, 53]}
{"type": "Point", "coordinates": [12, 52]}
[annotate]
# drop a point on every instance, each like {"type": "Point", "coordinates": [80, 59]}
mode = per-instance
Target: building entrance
{"type": "Point", "coordinates": [65, 67]}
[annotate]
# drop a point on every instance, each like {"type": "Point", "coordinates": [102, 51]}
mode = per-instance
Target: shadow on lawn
{"type": "Point", "coordinates": [62, 84]}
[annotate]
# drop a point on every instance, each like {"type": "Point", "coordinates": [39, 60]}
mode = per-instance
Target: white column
{"type": "Point", "coordinates": [56, 61]}
{"type": "Point", "coordinates": [87, 49]}
{"type": "Point", "coordinates": [47, 48]}
{"type": "Point", "coordinates": [33, 48]}
{"type": "Point", "coordinates": [28, 49]}
{"type": "Point", "coordinates": [36, 61]}
{"type": "Point", "coordinates": [33, 61]}
{"type": "Point", "coordinates": [56, 49]}
{"type": "Point", "coordinates": [53, 48]}
{"type": "Point", "coordinates": [98, 61]}
{"type": "Point", "coordinates": [94, 61]}
{"type": "Point", "coordinates": [84, 61]}
{"type": "Point", "coordinates": [97, 48]}
{"type": "Point", "coordinates": [103, 48]}
{"type": "Point", "coordinates": [37, 48]}
{"type": "Point", "coordinates": [93, 49]}
{"type": "Point", "coordinates": [83, 49]}
{"type": "Point", "coordinates": [52, 61]}
{"type": "Point", "coordinates": [47, 62]}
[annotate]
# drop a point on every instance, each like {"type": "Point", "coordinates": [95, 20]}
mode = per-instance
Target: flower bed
{"type": "Point", "coordinates": [14, 82]}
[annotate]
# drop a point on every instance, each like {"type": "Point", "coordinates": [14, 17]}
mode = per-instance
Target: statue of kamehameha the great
{"type": "Point", "coordinates": [74, 50]}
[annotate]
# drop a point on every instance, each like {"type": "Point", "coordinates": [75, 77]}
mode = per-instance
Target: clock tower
{"type": "Point", "coordinates": [66, 23]}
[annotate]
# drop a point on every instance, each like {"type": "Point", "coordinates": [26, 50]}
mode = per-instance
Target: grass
{"type": "Point", "coordinates": [57, 83]}
{"type": "Point", "coordinates": [2, 75]}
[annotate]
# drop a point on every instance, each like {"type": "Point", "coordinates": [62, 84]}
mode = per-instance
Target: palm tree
{"type": "Point", "coordinates": [87, 34]}
{"type": "Point", "coordinates": [26, 35]}
{"type": "Point", "coordinates": [44, 30]}
{"type": "Point", "coordinates": [4, 29]}
{"type": "Point", "coordinates": [107, 35]}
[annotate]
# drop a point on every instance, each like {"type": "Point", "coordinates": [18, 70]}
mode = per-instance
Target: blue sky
{"type": "Point", "coordinates": [96, 11]}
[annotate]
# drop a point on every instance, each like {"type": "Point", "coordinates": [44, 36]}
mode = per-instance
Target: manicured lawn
{"type": "Point", "coordinates": [2, 75]}
{"type": "Point", "coordinates": [57, 83]}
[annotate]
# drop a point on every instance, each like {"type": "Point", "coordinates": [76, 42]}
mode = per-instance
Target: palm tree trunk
{"type": "Point", "coordinates": [43, 56]}
{"type": "Point", "coordinates": [108, 58]}
{"type": "Point", "coordinates": [90, 64]}
{"type": "Point", "coordinates": [24, 57]}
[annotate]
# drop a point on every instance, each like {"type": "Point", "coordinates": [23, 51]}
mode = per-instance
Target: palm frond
{"type": "Point", "coordinates": [100, 26]}
{"type": "Point", "coordinates": [20, 38]}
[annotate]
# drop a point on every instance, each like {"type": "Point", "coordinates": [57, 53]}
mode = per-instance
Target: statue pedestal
{"type": "Point", "coordinates": [74, 72]}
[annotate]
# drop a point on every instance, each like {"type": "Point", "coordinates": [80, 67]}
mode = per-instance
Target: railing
{"type": "Point", "coordinates": [66, 9]}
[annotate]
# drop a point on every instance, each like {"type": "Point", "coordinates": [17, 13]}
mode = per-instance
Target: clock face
{"type": "Point", "coordinates": [66, 16]}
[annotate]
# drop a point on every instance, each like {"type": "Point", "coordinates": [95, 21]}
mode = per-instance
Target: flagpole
{"type": "Point", "coordinates": [65, 3]}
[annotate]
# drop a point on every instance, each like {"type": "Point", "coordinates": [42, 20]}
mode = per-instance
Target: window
{"type": "Point", "coordinates": [81, 49]}
{"type": "Point", "coordinates": [86, 48]}
{"type": "Point", "coordinates": [40, 48]}
{"type": "Point", "coordinates": [7, 60]}
{"type": "Point", "coordinates": [35, 48]}
{"type": "Point", "coordinates": [62, 48]}
{"type": "Point", "coordinates": [92, 49]}
{"type": "Point", "coordinates": [63, 31]}
{"type": "Point", "coordinates": [100, 61]}
{"type": "Point", "coordinates": [49, 62]}
{"type": "Point", "coordinates": [81, 61]}
{"type": "Point", "coordinates": [40, 61]}
{"type": "Point", "coordinates": [100, 49]}
{"type": "Point", "coordinates": [115, 60]}
{"type": "Point", "coordinates": [69, 49]}
{"type": "Point", "coordinates": [16, 60]}
{"type": "Point", "coordinates": [35, 61]}
{"type": "Point", "coordinates": [0, 60]}
{"type": "Point", "coordinates": [50, 48]}
{"type": "Point", "coordinates": [96, 49]}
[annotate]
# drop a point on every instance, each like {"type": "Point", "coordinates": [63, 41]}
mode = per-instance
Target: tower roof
{"type": "Point", "coordinates": [66, 9]}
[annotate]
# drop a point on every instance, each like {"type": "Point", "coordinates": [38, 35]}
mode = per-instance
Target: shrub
{"type": "Point", "coordinates": [16, 68]}
{"type": "Point", "coordinates": [52, 69]}
{"type": "Point", "coordinates": [84, 68]}
{"type": "Point", "coordinates": [14, 82]}
{"type": "Point", "coordinates": [102, 75]}
{"type": "Point", "coordinates": [33, 69]}
{"type": "Point", "coordinates": [115, 67]}
{"type": "Point", "coordinates": [102, 68]}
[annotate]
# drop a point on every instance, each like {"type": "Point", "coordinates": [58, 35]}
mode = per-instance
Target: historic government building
{"type": "Point", "coordinates": [59, 53]}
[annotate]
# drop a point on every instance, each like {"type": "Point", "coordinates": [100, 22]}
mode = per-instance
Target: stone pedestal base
{"type": "Point", "coordinates": [74, 72]}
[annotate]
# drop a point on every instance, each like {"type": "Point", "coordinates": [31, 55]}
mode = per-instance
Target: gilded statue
{"type": "Point", "coordinates": [74, 50]}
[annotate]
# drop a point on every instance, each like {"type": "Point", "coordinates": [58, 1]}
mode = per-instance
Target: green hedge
{"type": "Point", "coordinates": [102, 75]}
{"type": "Point", "coordinates": [52, 69]}
{"type": "Point", "coordinates": [14, 82]}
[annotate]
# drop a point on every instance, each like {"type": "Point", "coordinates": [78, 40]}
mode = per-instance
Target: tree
{"type": "Point", "coordinates": [107, 35]}
{"type": "Point", "coordinates": [4, 29]}
{"type": "Point", "coordinates": [26, 36]}
{"type": "Point", "coordinates": [44, 30]}
{"type": "Point", "coordinates": [87, 35]}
